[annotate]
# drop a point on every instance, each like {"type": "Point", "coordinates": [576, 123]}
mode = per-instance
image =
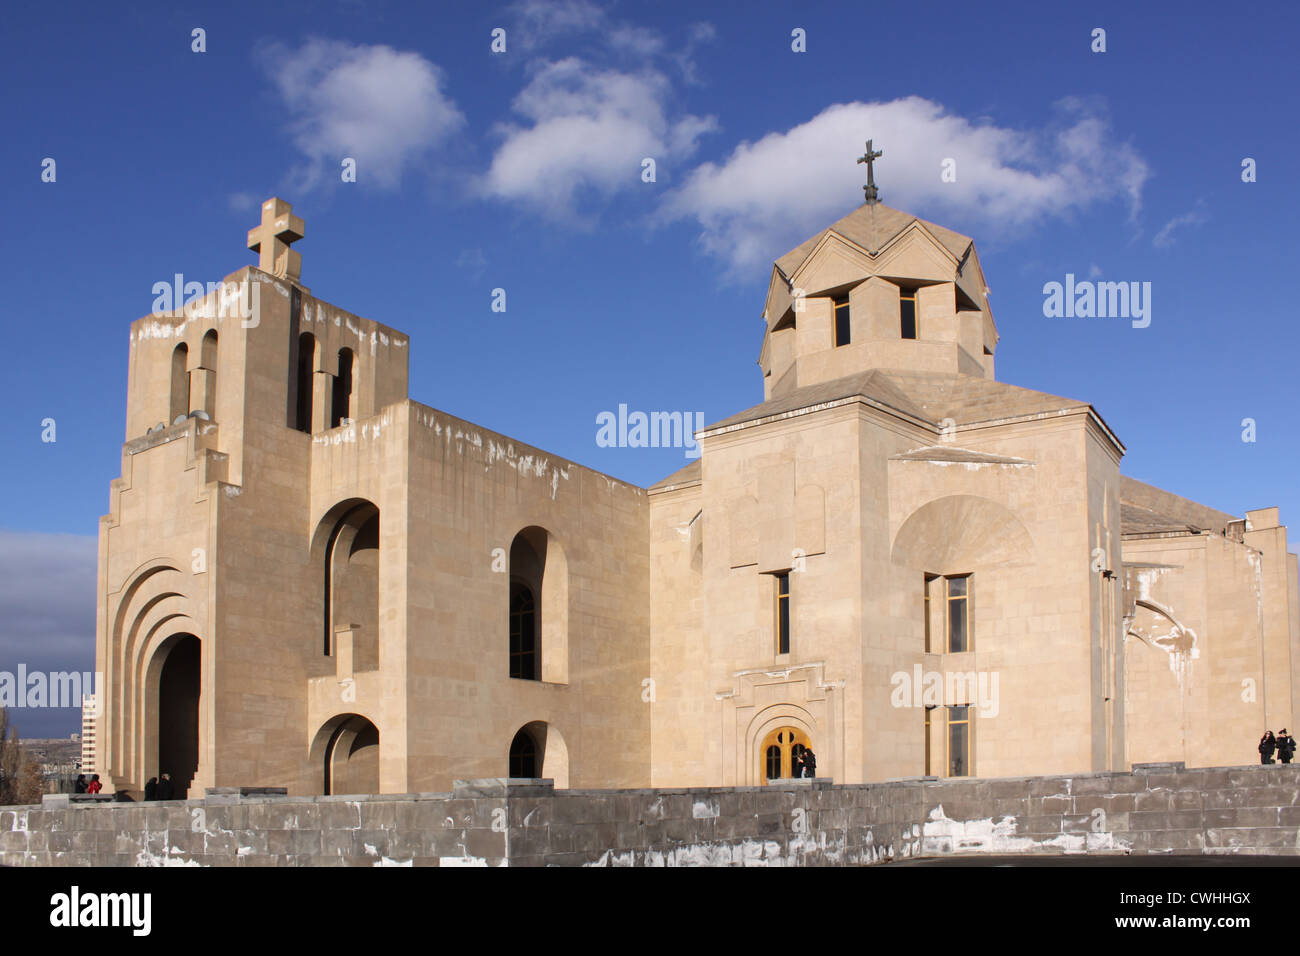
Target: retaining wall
{"type": "Point", "coordinates": [1157, 808]}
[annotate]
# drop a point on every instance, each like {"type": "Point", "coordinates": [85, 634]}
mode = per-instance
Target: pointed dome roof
{"type": "Point", "coordinates": [871, 226]}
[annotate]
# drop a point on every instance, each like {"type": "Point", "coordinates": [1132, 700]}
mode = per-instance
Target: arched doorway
{"type": "Point", "coordinates": [352, 757]}
{"type": "Point", "coordinates": [779, 750]}
{"type": "Point", "coordinates": [524, 756]}
{"type": "Point", "coordinates": [538, 751]}
{"type": "Point", "coordinates": [177, 713]}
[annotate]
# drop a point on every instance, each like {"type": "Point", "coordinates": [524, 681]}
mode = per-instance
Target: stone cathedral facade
{"type": "Point", "coordinates": [309, 580]}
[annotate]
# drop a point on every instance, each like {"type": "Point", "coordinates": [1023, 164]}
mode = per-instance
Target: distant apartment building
{"type": "Point", "coordinates": [88, 715]}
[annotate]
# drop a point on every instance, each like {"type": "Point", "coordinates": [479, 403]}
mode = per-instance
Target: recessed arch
{"type": "Point", "coordinates": [346, 750]}
{"type": "Point", "coordinates": [538, 607]}
{"type": "Point", "coordinates": [961, 533]}
{"type": "Point", "coordinates": [541, 748]}
{"type": "Point", "coordinates": [304, 382]}
{"type": "Point", "coordinates": [771, 719]}
{"type": "Point", "coordinates": [179, 401]}
{"type": "Point", "coordinates": [341, 405]}
{"type": "Point", "coordinates": [345, 547]}
{"type": "Point", "coordinates": [173, 689]}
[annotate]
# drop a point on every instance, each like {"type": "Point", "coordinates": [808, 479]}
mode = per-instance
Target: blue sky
{"type": "Point", "coordinates": [522, 171]}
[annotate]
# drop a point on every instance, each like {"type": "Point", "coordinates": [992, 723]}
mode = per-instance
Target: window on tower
{"type": "Point", "coordinates": [782, 613]}
{"type": "Point", "coordinates": [907, 312]}
{"type": "Point", "coordinates": [841, 320]}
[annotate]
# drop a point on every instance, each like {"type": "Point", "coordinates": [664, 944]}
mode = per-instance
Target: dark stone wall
{"type": "Point", "coordinates": [1158, 808]}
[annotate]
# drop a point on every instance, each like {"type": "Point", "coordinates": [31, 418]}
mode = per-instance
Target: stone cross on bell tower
{"type": "Point", "coordinates": [271, 240]}
{"type": "Point", "coordinates": [872, 194]}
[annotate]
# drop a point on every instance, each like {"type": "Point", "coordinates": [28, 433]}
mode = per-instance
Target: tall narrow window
{"type": "Point", "coordinates": [342, 399]}
{"type": "Point", "coordinates": [907, 312]}
{"type": "Point", "coordinates": [959, 741]}
{"type": "Point", "coordinates": [927, 608]}
{"type": "Point", "coordinates": [782, 613]}
{"type": "Point", "coordinates": [180, 397]}
{"type": "Point", "coordinates": [928, 765]}
{"type": "Point", "coordinates": [841, 321]}
{"type": "Point", "coordinates": [774, 762]}
{"type": "Point", "coordinates": [523, 633]}
{"type": "Point", "coordinates": [958, 600]}
{"type": "Point", "coordinates": [304, 381]}
{"type": "Point", "coordinates": [208, 363]}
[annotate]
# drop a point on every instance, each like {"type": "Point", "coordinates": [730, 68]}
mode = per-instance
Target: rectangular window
{"type": "Point", "coordinates": [782, 613]}
{"type": "Point", "coordinates": [927, 608]}
{"type": "Point", "coordinates": [907, 312]}
{"type": "Point", "coordinates": [928, 771]}
{"type": "Point", "coordinates": [958, 601]}
{"type": "Point", "coordinates": [841, 321]}
{"type": "Point", "coordinates": [959, 741]}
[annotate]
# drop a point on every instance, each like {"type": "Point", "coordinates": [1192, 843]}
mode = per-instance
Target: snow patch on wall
{"type": "Point", "coordinates": [745, 853]}
{"type": "Point", "coordinates": [705, 809]}
{"type": "Point", "coordinates": [166, 858]}
{"type": "Point", "coordinates": [942, 834]}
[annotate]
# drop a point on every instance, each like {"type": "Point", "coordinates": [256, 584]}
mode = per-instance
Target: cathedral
{"type": "Point", "coordinates": [309, 580]}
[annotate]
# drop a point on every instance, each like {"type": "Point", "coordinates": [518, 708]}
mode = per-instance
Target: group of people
{"type": "Point", "coordinates": [1283, 745]}
{"type": "Point", "coordinates": [158, 788]}
{"type": "Point", "coordinates": [805, 763]}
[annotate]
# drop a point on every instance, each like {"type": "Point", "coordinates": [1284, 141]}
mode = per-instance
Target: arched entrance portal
{"type": "Point", "coordinates": [523, 755]}
{"type": "Point", "coordinates": [780, 749]}
{"type": "Point", "coordinates": [352, 757]}
{"type": "Point", "coordinates": [178, 714]}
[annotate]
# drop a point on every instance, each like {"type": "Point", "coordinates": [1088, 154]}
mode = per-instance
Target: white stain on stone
{"type": "Point", "coordinates": [744, 853]}
{"type": "Point", "coordinates": [166, 858]}
{"type": "Point", "coordinates": [941, 834]}
{"type": "Point", "coordinates": [705, 809]}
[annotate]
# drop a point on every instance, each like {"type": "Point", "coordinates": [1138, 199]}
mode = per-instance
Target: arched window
{"type": "Point", "coordinates": [538, 607]}
{"type": "Point", "coordinates": [523, 755]}
{"type": "Point", "coordinates": [347, 545]}
{"type": "Point", "coordinates": [341, 406]}
{"type": "Point", "coordinates": [780, 750]}
{"type": "Point", "coordinates": [304, 382]}
{"type": "Point", "coordinates": [523, 632]}
{"type": "Point", "coordinates": [208, 364]}
{"type": "Point", "coordinates": [180, 397]}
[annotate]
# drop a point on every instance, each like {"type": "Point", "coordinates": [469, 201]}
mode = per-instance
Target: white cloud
{"type": "Point", "coordinates": [587, 130]}
{"type": "Point", "coordinates": [540, 21]}
{"type": "Point", "coordinates": [1194, 217]}
{"type": "Point", "coordinates": [382, 107]}
{"type": "Point", "coordinates": [769, 195]}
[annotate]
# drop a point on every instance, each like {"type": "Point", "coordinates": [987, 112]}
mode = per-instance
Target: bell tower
{"type": "Point", "coordinates": [882, 289]}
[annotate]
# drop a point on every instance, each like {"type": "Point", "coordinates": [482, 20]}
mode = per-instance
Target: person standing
{"type": "Point", "coordinates": [1267, 744]}
{"type": "Point", "coordinates": [796, 770]}
{"type": "Point", "coordinates": [94, 786]}
{"type": "Point", "coordinates": [151, 789]}
{"type": "Point", "coordinates": [80, 785]}
{"type": "Point", "coordinates": [809, 763]}
{"type": "Point", "coordinates": [165, 789]}
{"type": "Point", "coordinates": [1285, 746]}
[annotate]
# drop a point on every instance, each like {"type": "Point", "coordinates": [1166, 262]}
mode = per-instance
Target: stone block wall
{"type": "Point", "coordinates": [1155, 809]}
